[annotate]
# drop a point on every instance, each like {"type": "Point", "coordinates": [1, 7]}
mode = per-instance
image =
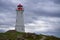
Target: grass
{"type": "Point", "coordinates": [14, 35]}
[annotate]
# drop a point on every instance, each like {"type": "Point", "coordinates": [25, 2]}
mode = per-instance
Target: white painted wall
{"type": "Point", "coordinates": [19, 22]}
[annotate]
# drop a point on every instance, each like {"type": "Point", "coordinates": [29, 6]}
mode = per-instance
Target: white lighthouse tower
{"type": "Point", "coordinates": [19, 19]}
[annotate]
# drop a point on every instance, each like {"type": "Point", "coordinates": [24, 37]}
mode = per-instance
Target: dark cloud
{"type": "Point", "coordinates": [6, 6]}
{"type": "Point", "coordinates": [43, 13]}
{"type": "Point", "coordinates": [43, 8]}
{"type": "Point", "coordinates": [56, 1]}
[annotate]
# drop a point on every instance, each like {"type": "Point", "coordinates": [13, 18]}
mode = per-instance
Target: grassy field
{"type": "Point", "coordinates": [13, 35]}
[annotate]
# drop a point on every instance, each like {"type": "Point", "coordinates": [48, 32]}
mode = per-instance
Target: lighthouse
{"type": "Point", "coordinates": [19, 27]}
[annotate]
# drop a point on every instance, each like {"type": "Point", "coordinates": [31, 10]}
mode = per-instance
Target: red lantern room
{"type": "Point", "coordinates": [20, 7]}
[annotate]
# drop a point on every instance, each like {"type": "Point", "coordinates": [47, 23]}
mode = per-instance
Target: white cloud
{"type": "Point", "coordinates": [43, 24]}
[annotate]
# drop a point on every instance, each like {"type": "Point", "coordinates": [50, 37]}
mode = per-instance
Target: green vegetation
{"type": "Point", "coordinates": [52, 38]}
{"type": "Point", "coordinates": [14, 35]}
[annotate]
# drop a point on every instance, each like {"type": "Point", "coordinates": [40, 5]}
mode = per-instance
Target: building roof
{"type": "Point", "coordinates": [19, 5]}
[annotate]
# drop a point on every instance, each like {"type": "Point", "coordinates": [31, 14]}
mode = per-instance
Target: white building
{"type": "Point", "coordinates": [19, 19]}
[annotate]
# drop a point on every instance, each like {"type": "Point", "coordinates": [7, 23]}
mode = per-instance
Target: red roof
{"type": "Point", "coordinates": [19, 5]}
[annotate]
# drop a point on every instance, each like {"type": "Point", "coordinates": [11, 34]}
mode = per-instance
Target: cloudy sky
{"type": "Point", "coordinates": [40, 16]}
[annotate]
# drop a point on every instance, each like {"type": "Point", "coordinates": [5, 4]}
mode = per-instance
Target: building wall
{"type": "Point", "coordinates": [19, 22]}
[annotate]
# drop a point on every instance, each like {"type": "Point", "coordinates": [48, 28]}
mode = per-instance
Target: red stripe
{"type": "Point", "coordinates": [19, 8]}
